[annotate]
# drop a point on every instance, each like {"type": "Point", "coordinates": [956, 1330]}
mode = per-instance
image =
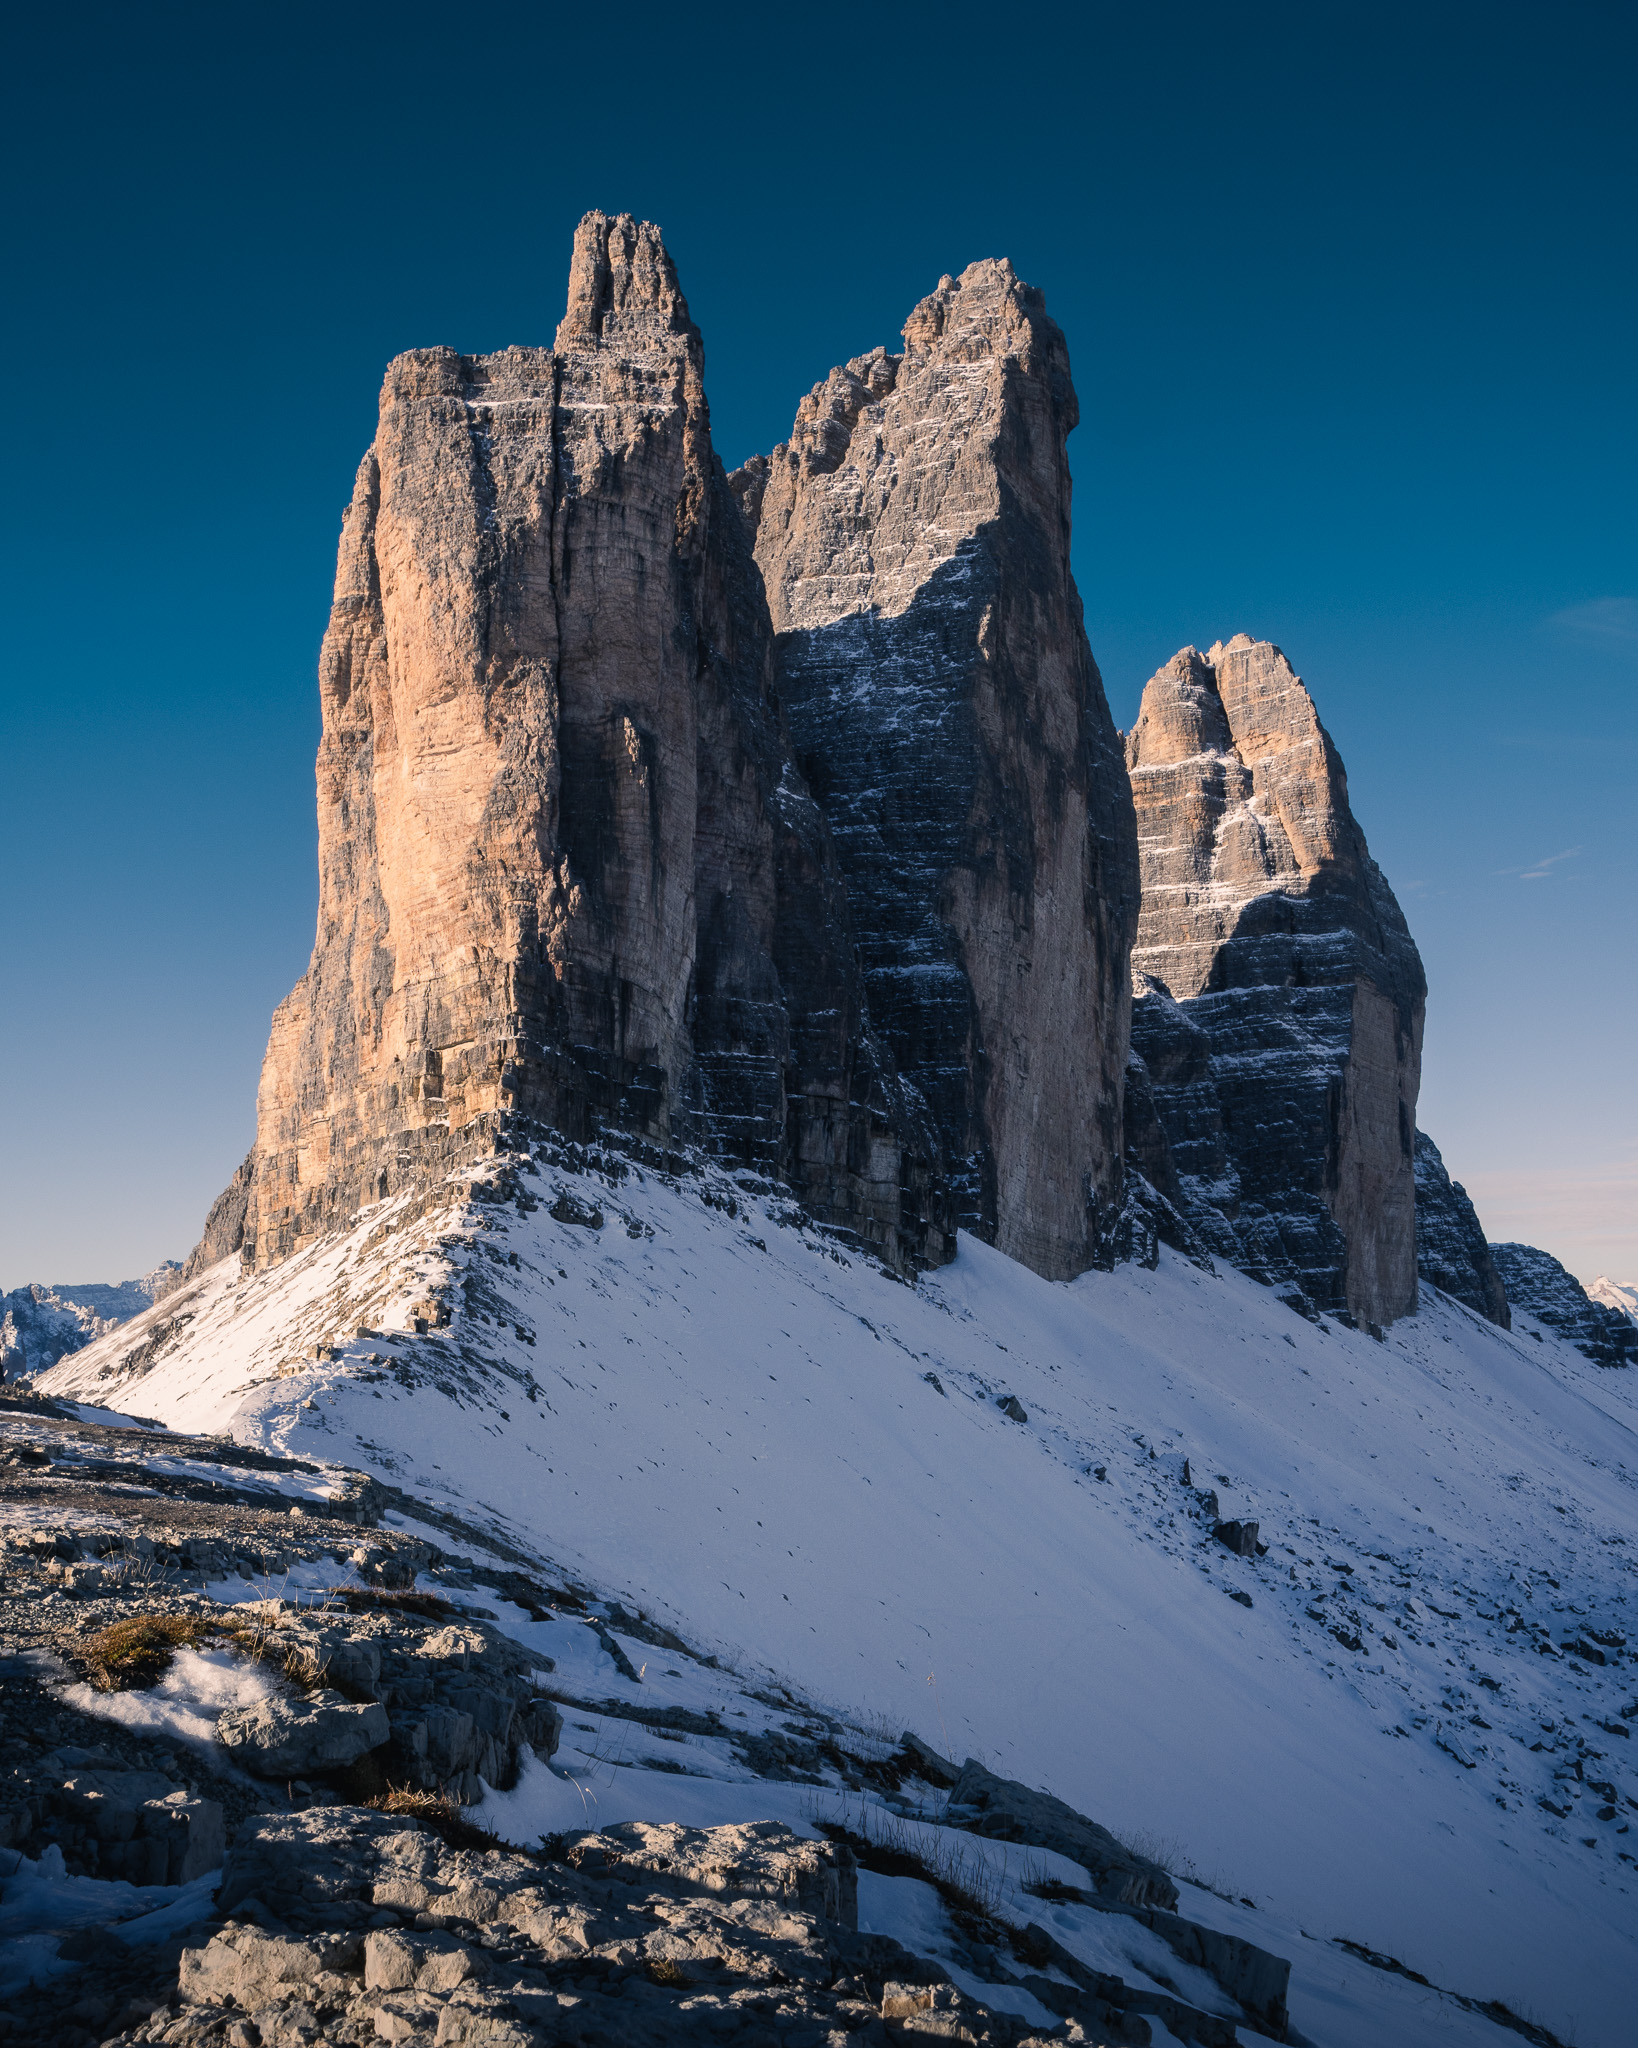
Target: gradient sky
{"type": "Point", "coordinates": [1351, 296]}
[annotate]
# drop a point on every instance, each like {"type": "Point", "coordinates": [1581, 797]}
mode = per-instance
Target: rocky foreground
{"type": "Point", "coordinates": [251, 1719]}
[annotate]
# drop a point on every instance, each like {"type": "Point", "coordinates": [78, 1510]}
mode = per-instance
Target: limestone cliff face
{"type": "Point", "coordinates": [913, 535]}
{"type": "Point", "coordinates": [1451, 1253]}
{"type": "Point", "coordinates": [567, 866]}
{"type": "Point", "coordinates": [1265, 917]}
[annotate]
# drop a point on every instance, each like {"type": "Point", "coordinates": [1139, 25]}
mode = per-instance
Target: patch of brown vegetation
{"type": "Point", "coordinates": [367, 1599]}
{"type": "Point", "coordinates": [131, 1655]}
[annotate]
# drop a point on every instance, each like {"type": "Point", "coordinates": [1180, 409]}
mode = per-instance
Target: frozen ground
{"type": "Point", "coordinates": [697, 1406]}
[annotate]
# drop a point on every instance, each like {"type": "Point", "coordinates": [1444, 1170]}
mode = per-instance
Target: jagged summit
{"type": "Point", "coordinates": [913, 537]}
{"type": "Point", "coordinates": [1244, 822]}
{"type": "Point", "coordinates": [1264, 913]}
{"type": "Point", "coordinates": [622, 284]}
{"type": "Point", "coordinates": [1614, 1294]}
{"type": "Point", "coordinates": [569, 870]}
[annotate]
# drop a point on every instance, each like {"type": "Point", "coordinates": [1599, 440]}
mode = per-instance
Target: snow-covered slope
{"type": "Point", "coordinates": [680, 1393]}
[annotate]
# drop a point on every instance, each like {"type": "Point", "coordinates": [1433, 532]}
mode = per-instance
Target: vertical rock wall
{"type": "Point", "coordinates": [567, 866]}
{"type": "Point", "coordinates": [1451, 1253]}
{"type": "Point", "coordinates": [913, 535]}
{"type": "Point", "coordinates": [1265, 917]}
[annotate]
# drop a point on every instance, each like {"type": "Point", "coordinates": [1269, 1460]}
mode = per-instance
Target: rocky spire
{"type": "Point", "coordinates": [568, 870]}
{"type": "Point", "coordinates": [1265, 916]}
{"type": "Point", "coordinates": [913, 535]}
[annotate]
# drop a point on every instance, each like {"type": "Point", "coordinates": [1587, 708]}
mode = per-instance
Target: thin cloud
{"type": "Point", "coordinates": [1609, 622]}
{"type": "Point", "coordinates": [1539, 871]}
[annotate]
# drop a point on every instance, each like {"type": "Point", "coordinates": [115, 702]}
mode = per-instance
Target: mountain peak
{"type": "Point", "coordinates": [622, 284]}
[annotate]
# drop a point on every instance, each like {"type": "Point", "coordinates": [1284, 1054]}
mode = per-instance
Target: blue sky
{"type": "Point", "coordinates": [1350, 296]}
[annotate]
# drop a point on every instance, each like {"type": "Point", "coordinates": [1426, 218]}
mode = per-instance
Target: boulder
{"type": "Point", "coordinates": [1008, 1811]}
{"type": "Point", "coordinates": [926, 1762]}
{"type": "Point", "coordinates": [462, 1704]}
{"type": "Point", "coordinates": [398, 1961]}
{"type": "Point", "coordinates": [310, 1735]}
{"type": "Point", "coordinates": [192, 1832]}
{"type": "Point", "coordinates": [253, 1968]}
{"type": "Point", "coordinates": [352, 1925]}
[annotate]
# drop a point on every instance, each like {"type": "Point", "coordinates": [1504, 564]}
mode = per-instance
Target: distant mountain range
{"type": "Point", "coordinates": [1622, 1297]}
{"type": "Point", "coordinates": [41, 1324]}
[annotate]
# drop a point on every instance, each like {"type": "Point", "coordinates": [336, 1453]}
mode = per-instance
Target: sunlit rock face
{"type": "Point", "coordinates": [913, 536]}
{"type": "Point", "coordinates": [568, 868]}
{"type": "Point", "coordinates": [1265, 918]}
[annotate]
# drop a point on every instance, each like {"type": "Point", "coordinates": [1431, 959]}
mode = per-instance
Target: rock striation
{"type": "Point", "coordinates": [569, 870]}
{"type": "Point", "coordinates": [1267, 927]}
{"type": "Point", "coordinates": [1539, 1286]}
{"type": "Point", "coordinates": [1451, 1252]}
{"type": "Point", "coordinates": [913, 536]}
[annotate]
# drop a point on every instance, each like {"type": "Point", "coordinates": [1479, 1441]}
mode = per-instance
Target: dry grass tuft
{"type": "Point", "coordinates": [132, 1655]}
{"type": "Point", "coordinates": [445, 1819]}
{"type": "Point", "coordinates": [369, 1599]}
{"type": "Point", "coordinates": [970, 1884]}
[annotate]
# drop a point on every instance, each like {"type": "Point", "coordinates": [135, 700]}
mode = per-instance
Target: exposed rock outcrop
{"type": "Point", "coordinates": [1451, 1252]}
{"type": "Point", "coordinates": [1012, 1812]}
{"type": "Point", "coordinates": [568, 869]}
{"type": "Point", "coordinates": [1539, 1286]}
{"type": "Point", "coordinates": [913, 535]}
{"type": "Point", "coordinates": [339, 1892]}
{"type": "Point", "coordinates": [1265, 918]}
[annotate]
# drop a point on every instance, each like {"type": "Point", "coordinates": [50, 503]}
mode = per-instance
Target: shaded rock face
{"type": "Point", "coordinates": [1175, 1134]}
{"type": "Point", "coordinates": [1539, 1286]}
{"type": "Point", "coordinates": [568, 869]}
{"type": "Point", "coordinates": [1265, 917]}
{"type": "Point", "coordinates": [1451, 1253]}
{"type": "Point", "coordinates": [913, 535]}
